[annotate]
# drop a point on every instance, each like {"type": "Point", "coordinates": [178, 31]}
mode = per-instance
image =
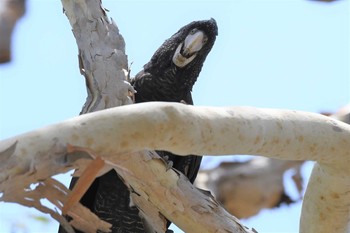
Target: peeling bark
{"type": "Point", "coordinates": [102, 58]}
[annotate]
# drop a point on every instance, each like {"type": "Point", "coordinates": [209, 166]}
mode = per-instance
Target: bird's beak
{"type": "Point", "coordinates": [187, 51]}
{"type": "Point", "coordinates": [193, 43]}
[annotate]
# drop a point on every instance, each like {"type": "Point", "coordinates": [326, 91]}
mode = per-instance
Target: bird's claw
{"type": "Point", "coordinates": [183, 102]}
{"type": "Point", "coordinates": [169, 163]}
{"type": "Point", "coordinates": [130, 90]}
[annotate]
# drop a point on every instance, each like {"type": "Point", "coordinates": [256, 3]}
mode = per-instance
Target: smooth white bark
{"type": "Point", "coordinates": [182, 129]}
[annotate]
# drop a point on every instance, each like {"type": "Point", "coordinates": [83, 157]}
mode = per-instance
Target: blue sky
{"type": "Point", "coordinates": [291, 54]}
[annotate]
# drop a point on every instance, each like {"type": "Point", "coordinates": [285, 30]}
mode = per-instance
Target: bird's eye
{"type": "Point", "coordinates": [205, 39]}
{"type": "Point", "coordinates": [193, 31]}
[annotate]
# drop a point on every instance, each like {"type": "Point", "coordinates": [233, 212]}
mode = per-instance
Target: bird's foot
{"type": "Point", "coordinates": [131, 91]}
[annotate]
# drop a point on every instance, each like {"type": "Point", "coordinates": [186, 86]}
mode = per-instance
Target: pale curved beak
{"type": "Point", "coordinates": [187, 51]}
{"type": "Point", "coordinates": [193, 43]}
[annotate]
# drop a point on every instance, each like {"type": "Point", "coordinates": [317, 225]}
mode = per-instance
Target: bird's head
{"type": "Point", "coordinates": [187, 47]}
{"type": "Point", "coordinates": [195, 39]}
{"type": "Point", "coordinates": [181, 57]}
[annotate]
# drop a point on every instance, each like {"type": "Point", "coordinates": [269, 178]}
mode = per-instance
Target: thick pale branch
{"type": "Point", "coordinates": [326, 201]}
{"type": "Point", "coordinates": [281, 134]}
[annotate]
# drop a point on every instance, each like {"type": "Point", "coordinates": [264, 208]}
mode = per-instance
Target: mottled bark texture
{"type": "Point", "coordinates": [102, 56]}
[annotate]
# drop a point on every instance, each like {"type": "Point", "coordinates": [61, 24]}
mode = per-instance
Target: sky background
{"type": "Point", "coordinates": [291, 54]}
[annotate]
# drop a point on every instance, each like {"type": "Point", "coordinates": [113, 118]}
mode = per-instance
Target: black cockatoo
{"type": "Point", "coordinates": [171, 74]}
{"type": "Point", "coordinates": [168, 76]}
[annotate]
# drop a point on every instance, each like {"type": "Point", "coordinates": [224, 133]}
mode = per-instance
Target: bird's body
{"type": "Point", "coordinates": [168, 76]}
